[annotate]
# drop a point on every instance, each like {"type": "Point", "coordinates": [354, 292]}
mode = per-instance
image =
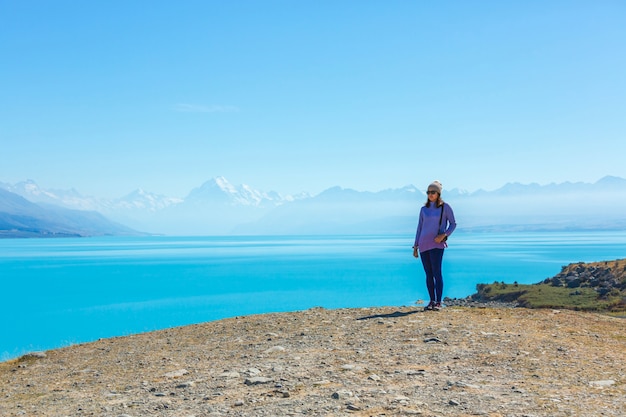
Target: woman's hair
{"type": "Point", "coordinates": [439, 201]}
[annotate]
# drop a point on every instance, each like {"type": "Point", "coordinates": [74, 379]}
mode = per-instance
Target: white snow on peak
{"type": "Point", "coordinates": [226, 186]}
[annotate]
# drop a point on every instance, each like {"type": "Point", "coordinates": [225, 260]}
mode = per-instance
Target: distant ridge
{"type": "Point", "coordinates": [22, 218]}
{"type": "Point", "coordinates": [218, 207]}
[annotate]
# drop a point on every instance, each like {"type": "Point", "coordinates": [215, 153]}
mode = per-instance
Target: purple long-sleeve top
{"type": "Point", "coordinates": [428, 226]}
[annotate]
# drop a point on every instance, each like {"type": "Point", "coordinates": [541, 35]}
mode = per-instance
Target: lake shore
{"type": "Point", "coordinates": [363, 362]}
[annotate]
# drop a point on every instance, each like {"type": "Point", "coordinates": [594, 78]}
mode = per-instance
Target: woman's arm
{"type": "Point", "coordinates": [451, 221]}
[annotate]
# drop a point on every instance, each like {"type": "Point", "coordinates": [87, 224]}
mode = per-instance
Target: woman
{"type": "Point", "coordinates": [436, 223]}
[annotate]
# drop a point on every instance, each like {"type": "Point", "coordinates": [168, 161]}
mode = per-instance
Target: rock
{"type": "Point", "coordinates": [461, 384]}
{"type": "Point", "coordinates": [275, 349]}
{"type": "Point", "coordinates": [176, 374]}
{"type": "Point", "coordinates": [602, 383]}
{"type": "Point", "coordinates": [35, 355]}
{"type": "Point", "coordinates": [401, 399]}
{"type": "Point", "coordinates": [230, 375]}
{"type": "Point", "coordinates": [257, 380]}
{"type": "Point", "coordinates": [341, 394]}
{"type": "Point", "coordinates": [253, 371]}
{"type": "Point", "coordinates": [419, 372]}
{"type": "Point", "coordinates": [322, 382]}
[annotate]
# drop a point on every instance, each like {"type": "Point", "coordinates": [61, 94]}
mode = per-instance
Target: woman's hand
{"type": "Point", "coordinates": [416, 254]}
{"type": "Point", "coordinates": [441, 238]}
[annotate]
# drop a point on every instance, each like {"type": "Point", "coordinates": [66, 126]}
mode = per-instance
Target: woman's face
{"type": "Point", "coordinates": [432, 196]}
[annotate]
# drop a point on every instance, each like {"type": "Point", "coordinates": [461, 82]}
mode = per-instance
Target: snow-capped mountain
{"type": "Point", "coordinates": [143, 200]}
{"type": "Point", "coordinates": [136, 200]}
{"type": "Point", "coordinates": [71, 198]}
{"type": "Point", "coordinates": [219, 190]}
{"type": "Point", "coordinates": [219, 207]}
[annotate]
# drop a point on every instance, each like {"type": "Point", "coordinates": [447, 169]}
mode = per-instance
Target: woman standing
{"type": "Point", "coordinates": [436, 223]}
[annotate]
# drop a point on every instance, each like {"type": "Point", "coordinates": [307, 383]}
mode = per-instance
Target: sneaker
{"type": "Point", "coordinates": [437, 306]}
{"type": "Point", "coordinates": [430, 306]}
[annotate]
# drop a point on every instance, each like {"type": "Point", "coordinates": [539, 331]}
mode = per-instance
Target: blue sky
{"type": "Point", "coordinates": [292, 96]}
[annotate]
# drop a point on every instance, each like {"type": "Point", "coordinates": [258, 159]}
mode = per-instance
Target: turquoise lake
{"type": "Point", "coordinates": [57, 292]}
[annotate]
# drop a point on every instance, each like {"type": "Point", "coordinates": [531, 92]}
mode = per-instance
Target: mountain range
{"type": "Point", "coordinates": [219, 207]}
{"type": "Point", "coordinates": [22, 218]}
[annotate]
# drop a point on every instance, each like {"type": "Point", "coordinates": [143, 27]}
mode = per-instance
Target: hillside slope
{"type": "Point", "coordinates": [596, 286]}
{"type": "Point", "coordinates": [22, 218]}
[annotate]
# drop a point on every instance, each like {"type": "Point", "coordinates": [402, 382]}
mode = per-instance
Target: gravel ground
{"type": "Point", "coordinates": [388, 361]}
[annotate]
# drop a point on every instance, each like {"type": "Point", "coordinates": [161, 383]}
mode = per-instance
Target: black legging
{"type": "Point", "coordinates": [431, 259]}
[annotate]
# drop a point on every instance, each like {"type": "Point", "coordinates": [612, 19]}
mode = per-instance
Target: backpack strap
{"type": "Point", "coordinates": [441, 215]}
{"type": "Point", "coordinates": [440, 220]}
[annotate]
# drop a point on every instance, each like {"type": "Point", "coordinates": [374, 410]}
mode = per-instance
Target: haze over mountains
{"type": "Point", "coordinates": [22, 218]}
{"type": "Point", "coordinates": [218, 207]}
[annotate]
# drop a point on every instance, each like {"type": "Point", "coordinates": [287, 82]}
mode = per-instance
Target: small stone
{"type": "Point", "coordinates": [419, 372]}
{"type": "Point", "coordinates": [322, 382]}
{"type": "Point", "coordinates": [176, 374]}
{"type": "Point", "coordinates": [275, 349]}
{"type": "Point", "coordinates": [401, 399]}
{"type": "Point", "coordinates": [374, 377]}
{"type": "Point", "coordinates": [257, 380]}
{"type": "Point", "coordinates": [353, 407]}
{"type": "Point", "coordinates": [602, 383]}
{"type": "Point", "coordinates": [461, 384]}
{"type": "Point", "coordinates": [454, 403]}
{"type": "Point", "coordinates": [230, 375]}
{"type": "Point", "coordinates": [253, 371]}
{"type": "Point", "coordinates": [341, 394]}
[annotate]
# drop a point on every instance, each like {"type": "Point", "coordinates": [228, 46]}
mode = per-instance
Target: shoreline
{"type": "Point", "coordinates": [448, 302]}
